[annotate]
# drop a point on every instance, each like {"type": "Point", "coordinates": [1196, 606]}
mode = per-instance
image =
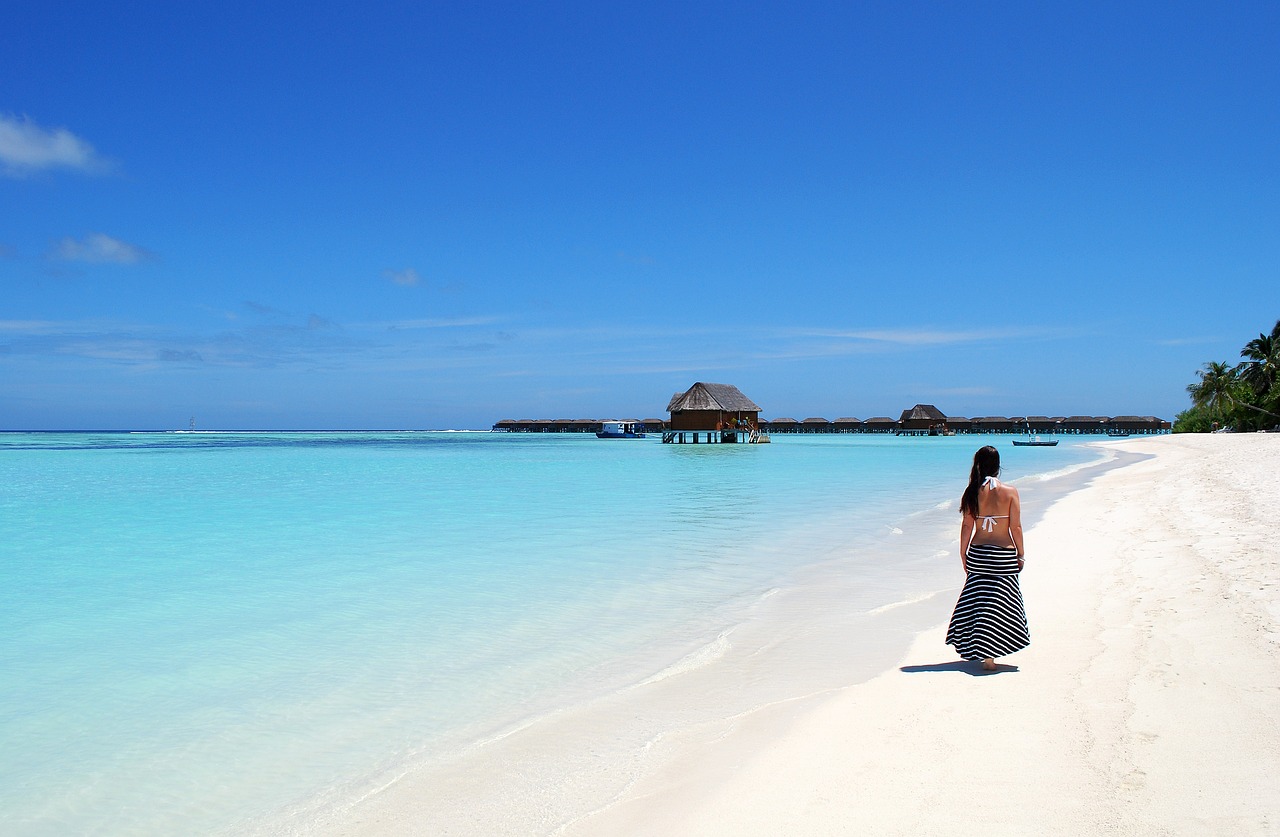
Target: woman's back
{"type": "Point", "coordinates": [997, 513]}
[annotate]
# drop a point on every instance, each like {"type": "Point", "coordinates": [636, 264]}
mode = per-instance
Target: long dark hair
{"type": "Point", "coordinates": [986, 463]}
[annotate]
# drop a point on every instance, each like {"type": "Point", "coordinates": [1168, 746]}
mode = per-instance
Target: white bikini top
{"type": "Point", "coordinates": [988, 521]}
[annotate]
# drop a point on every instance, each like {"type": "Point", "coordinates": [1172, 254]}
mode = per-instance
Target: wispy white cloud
{"type": "Point", "coordinates": [1188, 341]}
{"type": "Point", "coordinates": [179, 356]}
{"type": "Point", "coordinates": [806, 343]}
{"type": "Point", "coordinates": [904, 336]}
{"type": "Point", "coordinates": [99, 248]}
{"type": "Point", "coordinates": [427, 323]}
{"type": "Point", "coordinates": [407, 277]}
{"type": "Point", "coordinates": [31, 327]}
{"type": "Point", "coordinates": [27, 148]}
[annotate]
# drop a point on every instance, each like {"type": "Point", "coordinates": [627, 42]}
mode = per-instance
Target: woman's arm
{"type": "Point", "coordinates": [1015, 525]}
{"type": "Point", "coordinates": [966, 535]}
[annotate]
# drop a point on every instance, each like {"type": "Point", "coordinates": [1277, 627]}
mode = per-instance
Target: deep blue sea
{"type": "Point", "coordinates": [199, 631]}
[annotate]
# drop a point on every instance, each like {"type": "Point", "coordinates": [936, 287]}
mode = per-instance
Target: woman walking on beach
{"type": "Point", "coordinates": [989, 620]}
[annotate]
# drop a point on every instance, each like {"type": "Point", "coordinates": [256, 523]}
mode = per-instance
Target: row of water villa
{"type": "Point", "coordinates": [723, 408]}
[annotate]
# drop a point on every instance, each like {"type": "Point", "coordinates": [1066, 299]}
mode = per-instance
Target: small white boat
{"type": "Point", "coordinates": [621, 430]}
{"type": "Point", "coordinates": [1035, 442]}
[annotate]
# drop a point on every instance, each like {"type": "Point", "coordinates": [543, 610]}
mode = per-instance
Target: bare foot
{"type": "Point", "coordinates": [989, 664]}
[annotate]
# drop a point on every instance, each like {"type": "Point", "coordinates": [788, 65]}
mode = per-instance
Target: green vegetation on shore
{"type": "Point", "coordinates": [1242, 397]}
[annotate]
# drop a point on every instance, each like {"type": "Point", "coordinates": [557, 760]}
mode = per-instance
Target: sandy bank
{"type": "Point", "coordinates": [1148, 702]}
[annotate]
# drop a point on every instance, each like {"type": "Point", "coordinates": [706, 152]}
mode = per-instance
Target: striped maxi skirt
{"type": "Point", "coordinates": [989, 619]}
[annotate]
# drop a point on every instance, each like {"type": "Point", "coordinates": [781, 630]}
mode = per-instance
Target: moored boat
{"type": "Point", "coordinates": [620, 430]}
{"type": "Point", "coordinates": [1035, 442]}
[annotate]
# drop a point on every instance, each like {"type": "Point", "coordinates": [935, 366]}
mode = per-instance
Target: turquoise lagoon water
{"type": "Point", "coordinates": [201, 631]}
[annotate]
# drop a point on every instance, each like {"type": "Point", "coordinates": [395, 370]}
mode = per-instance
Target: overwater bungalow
{"type": "Point", "coordinates": [993, 424]}
{"type": "Point", "coordinates": [959, 424]}
{"type": "Point", "coordinates": [848, 424]}
{"type": "Point", "coordinates": [782, 425]}
{"type": "Point", "coordinates": [922, 418]}
{"type": "Point", "coordinates": [721, 411]}
{"type": "Point", "coordinates": [1083, 424]}
{"type": "Point", "coordinates": [1135, 424]}
{"type": "Point", "coordinates": [881, 424]}
{"type": "Point", "coordinates": [815, 425]}
{"type": "Point", "coordinates": [1041, 424]}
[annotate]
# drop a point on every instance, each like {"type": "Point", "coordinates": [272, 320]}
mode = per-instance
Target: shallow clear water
{"type": "Point", "coordinates": [200, 629]}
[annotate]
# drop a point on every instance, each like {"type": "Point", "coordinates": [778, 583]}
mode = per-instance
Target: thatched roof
{"type": "Point", "coordinates": [815, 420]}
{"type": "Point", "coordinates": [848, 420]}
{"type": "Point", "coordinates": [923, 412]}
{"type": "Point", "coordinates": [723, 397]}
{"type": "Point", "coordinates": [880, 420]}
{"type": "Point", "coordinates": [784, 420]}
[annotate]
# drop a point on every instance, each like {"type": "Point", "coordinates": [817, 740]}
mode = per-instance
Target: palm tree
{"type": "Point", "coordinates": [1262, 364]}
{"type": "Point", "coordinates": [1216, 389]}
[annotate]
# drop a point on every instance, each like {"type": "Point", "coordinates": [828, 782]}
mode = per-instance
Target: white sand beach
{"type": "Point", "coordinates": [1148, 702]}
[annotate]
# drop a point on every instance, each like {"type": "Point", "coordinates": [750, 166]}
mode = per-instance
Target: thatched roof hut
{"type": "Point", "coordinates": [994, 424]}
{"type": "Point", "coordinates": [706, 406]}
{"type": "Point", "coordinates": [881, 424]}
{"type": "Point", "coordinates": [1136, 424]}
{"type": "Point", "coordinates": [785, 424]}
{"type": "Point", "coordinates": [921, 417]}
{"type": "Point", "coordinates": [1083, 424]}
{"type": "Point", "coordinates": [815, 424]}
{"type": "Point", "coordinates": [848, 424]}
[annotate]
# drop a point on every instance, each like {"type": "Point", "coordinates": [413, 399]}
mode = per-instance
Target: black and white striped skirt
{"type": "Point", "coordinates": [989, 619]}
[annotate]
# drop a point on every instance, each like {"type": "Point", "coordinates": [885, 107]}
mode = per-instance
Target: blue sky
{"type": "Point", "coordinates": [416, 215]}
